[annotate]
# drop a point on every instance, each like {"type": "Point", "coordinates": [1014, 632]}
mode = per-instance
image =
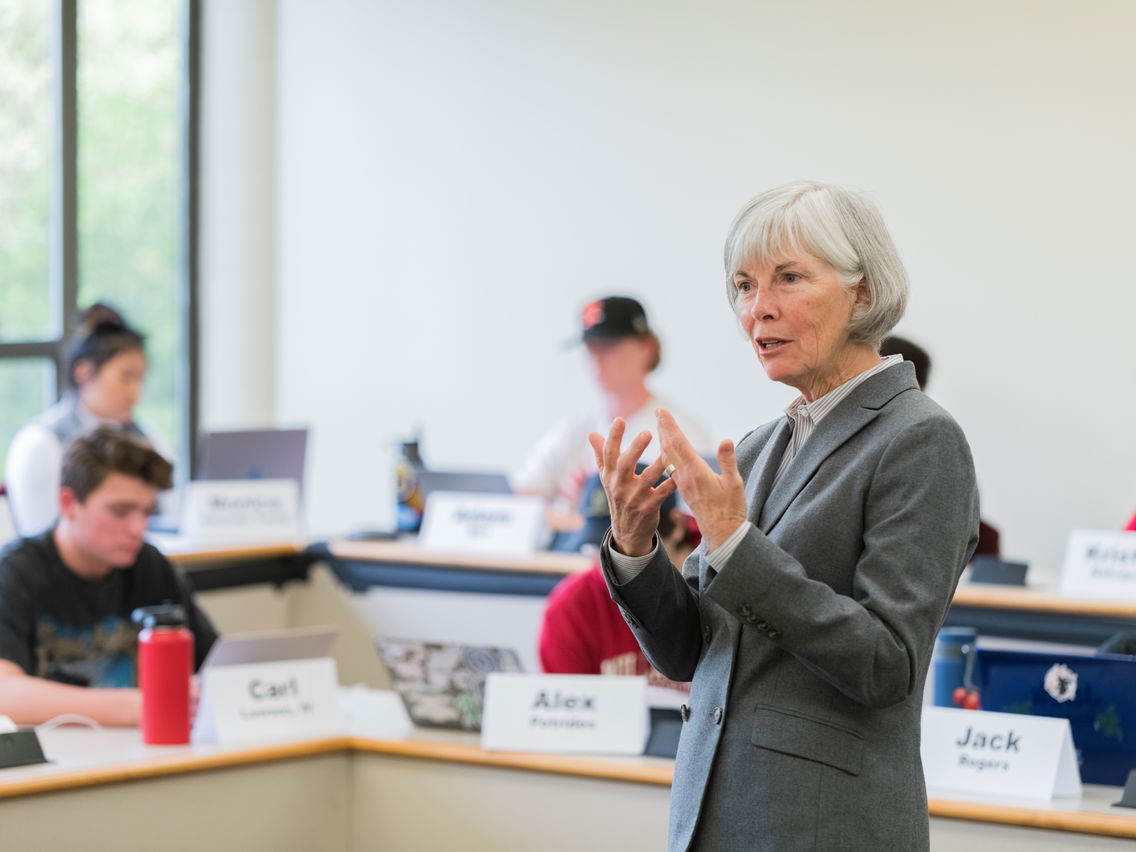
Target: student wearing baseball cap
{"type": "Point", "coordinates": [622, 352]}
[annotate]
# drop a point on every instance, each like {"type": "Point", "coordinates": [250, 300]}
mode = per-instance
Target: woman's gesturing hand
{"type": "Point", "coordinates": [632, 497]}
{"type": "Point", "coordinates": [717, 500]}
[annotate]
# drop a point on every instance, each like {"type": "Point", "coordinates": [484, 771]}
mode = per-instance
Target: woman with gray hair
{"type": "Point", "coordinates": [833, 540]}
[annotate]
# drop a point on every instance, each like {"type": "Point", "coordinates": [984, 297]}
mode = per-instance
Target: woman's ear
{"type": "Point", "coordinates": [84, 370]}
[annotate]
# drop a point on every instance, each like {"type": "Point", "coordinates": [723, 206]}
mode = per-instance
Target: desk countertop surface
{"type": "Point", "coordinates": [1038, 600]}
{"type": "Point", "coordinates": [80, 757]}
{"type": "Point", "coordinates": [185, 554]}
{"type": "Point", "coordinates": [987, 596]}
{"type": "Point", "coordinates": [409, 553]}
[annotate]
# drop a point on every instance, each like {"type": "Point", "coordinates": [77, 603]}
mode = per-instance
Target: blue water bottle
{"type": "Point", "coordinates": [954, 652]}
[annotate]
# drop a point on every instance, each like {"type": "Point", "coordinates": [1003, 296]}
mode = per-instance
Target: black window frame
{"type": "Point", "coordinates": [63, 259]}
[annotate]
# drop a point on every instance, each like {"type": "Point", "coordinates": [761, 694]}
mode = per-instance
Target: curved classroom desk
{"type": "Point", "coordinates": [105, 790]}
{"type": "Point", "coordinates": [1024, 613]}
{"type": "Point", "coordinates": [360, 565]}
{"type": "Point", "coordinates": [1027, 613]}
{"type": "Point", "coordinates": [1021, 613]}
{"type": "Point", "coordinates": [226, 566]}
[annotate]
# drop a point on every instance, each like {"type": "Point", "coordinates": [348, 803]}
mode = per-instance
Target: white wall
{"type": "Point", "coordinates": [455, 179]}
{"type": "Point", "coordinates": [238, 215]}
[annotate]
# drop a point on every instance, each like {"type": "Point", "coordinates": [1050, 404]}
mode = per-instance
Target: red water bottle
{"type": "Point", "coordinates": [165, 666]}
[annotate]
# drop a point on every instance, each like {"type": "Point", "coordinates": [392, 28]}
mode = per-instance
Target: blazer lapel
{"type": "Point", "coordinates": [849, 417]}
{"type": "Point", "coordinates": [758, 481]}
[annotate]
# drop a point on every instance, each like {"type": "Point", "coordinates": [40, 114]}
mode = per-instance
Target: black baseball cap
{"type": "Point", "coordinates": [613, 318]}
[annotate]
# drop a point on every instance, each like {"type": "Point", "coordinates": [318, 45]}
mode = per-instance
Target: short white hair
{"type": "Point", "coordinates": [837, 225]}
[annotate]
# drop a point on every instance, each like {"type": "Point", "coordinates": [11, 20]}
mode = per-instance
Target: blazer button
{"type": "Point", "coordinates": [774, 634]}
{"type": "Point", "coordinates": [762, 625]}
{"type": "Point", "coordinates": [745, 612]}
{"type": "Point", "coordinates": [706, 633]}
{"type": "Point", "coordinates": [684, 712]}
{"type": "Point", "coordinates": [718, 713]}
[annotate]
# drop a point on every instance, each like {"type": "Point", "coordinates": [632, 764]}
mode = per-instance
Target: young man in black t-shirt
{"type": "Point", "coordinates": [67, 644]}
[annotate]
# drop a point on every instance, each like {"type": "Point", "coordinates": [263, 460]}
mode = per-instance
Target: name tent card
{"type": "Point", "coordinates": [1002, 753]}
{"type": "Point", "coordinates": [1100, 564]}
{"type": "Point", "coordinates": [488, 524]}
{"type": "Point", "coordinates": [264, 701]}
{"type": "Point", "coordinates": [241, 511]}
{"type": "Point", "coordinates": [564, 714]}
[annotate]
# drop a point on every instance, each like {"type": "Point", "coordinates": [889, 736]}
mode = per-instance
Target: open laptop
{"type": "Point", "coordinates": [1095, 692]}
{"type": "Point", "coordinates": [263, 646]}
{"type": "Point", "coordinates": [247, 454]}
{"type": "Point", "coordinates": [470, 482]}
{"type": "Point", "coordinates": [269, 646]}
{"type": "Point", "coordinates": [442, 685]}
{"type": "Point", "coordinates": [253, 454]}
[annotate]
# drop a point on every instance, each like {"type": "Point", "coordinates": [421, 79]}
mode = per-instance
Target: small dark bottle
{"type": "Point", "coordinates": [165, 666]}
{"type": "Point", "coordinates": [410, 500]}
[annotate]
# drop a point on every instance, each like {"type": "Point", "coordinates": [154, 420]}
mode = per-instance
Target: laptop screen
{"type": "Point", "coordinates": [469, 482]}
{"type": "Point", "coordinates": [1095, 692]}
{"type": "Point", "coordinates": [443, 685]}
{"type": "Point", "coordinates": [268, 646]}
{"type": "Point", "coordinates": [254, 454]}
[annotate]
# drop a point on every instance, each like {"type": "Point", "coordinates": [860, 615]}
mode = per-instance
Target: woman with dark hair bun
{"type": "Point", "coordinates": [106, 365]}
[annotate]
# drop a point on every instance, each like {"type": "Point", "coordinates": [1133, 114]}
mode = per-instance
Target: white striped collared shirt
{"type": "Point", "coordinates": [804, 417]}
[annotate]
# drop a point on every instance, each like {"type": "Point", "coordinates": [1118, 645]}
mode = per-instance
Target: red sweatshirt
{"type": "Point", "coordinates": [583, 632]}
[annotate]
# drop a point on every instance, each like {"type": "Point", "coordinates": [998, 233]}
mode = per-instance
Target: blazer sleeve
{"type": "Point", "coordinates": [920, 527]}
{"type": "Point", "coordinates": [660, 605]}
{"type": "Point", "coordinates": [661, 608]}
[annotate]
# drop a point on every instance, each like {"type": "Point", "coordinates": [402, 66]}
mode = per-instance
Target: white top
{"type": "Point", "coordinates": [33, 468]}
{"type": "Point", "coordinates": [31, 475]}
{"type": "Point", "coordinates": [563, 460]}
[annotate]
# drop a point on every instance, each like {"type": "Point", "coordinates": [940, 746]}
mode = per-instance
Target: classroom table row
{"type": "Point", "coordinates": [388, 786]}
{"type": "Point", "coordinates": [1028, 613]}
{"type": "Point", "coordinates": [394, 588]}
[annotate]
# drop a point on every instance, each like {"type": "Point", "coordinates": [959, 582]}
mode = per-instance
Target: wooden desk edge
{"type": "Point", "coordinates": [1029, 600]}
{"type": "Point", "coordinates": [1082, 822]}
{"type": "Point", "coordinates": [658, 774]}
{"type": "Point", "coordinates": [178, 764]}
{"type": "Point", "coordinates": [396, 553]}
{"type": "Point", "coordinates": [236, 554]}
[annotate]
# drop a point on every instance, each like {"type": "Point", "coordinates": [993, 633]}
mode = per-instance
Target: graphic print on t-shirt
{"type": "Point", "coordinates": [99, 656]}
{"type": "Point", "coordinates": [634, 663]}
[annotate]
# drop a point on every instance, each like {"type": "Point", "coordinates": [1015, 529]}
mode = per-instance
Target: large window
{"type": "Point", "coordinates": [27, 378]}
{"type": "Point", "coordinates": [95, 113]}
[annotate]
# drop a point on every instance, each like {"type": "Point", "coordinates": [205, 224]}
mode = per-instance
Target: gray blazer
{"type": "Point", "coordinates": [809, 649]}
